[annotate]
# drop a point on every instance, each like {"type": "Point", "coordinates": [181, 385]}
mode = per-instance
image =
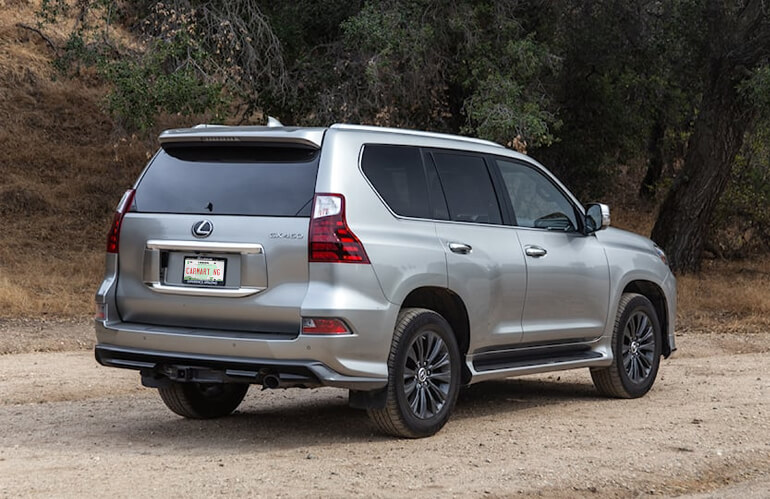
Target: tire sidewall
{"type": "Point", "coordinates": [425, 321]}
{"type": "Point", "coordinates": [224, 402]}
{"type": "Point", "coordinates": [637, 304]}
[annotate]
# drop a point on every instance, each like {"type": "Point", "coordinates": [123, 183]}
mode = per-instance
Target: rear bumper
{"type": "Point", "coordinates": [324, 360]}
{"type": "Point", "coordinates": [157, 366]}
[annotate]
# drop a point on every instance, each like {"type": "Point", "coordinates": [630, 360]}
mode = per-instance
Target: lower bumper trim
{"type": "Point", "coordinates": [213, 368]}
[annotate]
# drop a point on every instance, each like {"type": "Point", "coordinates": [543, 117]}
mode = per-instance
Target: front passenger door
{"type": "Point", "coordinates": [568, 281]}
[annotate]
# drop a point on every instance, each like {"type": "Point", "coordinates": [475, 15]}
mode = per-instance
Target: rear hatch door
{"type": "Point", "coordinates": [216, 237]}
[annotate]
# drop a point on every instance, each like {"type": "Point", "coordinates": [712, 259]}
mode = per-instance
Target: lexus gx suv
{"type": "Point", "coordinates": [396, 264]}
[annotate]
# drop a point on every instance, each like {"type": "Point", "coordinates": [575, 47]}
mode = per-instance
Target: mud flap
{"type": "Point", "coordinates": [370, 399]}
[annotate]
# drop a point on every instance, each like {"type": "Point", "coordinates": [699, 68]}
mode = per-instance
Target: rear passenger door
{"type": "Point", "coordinates": [485, 265]}
{"type": "Point", "coordinates": [567, 272]}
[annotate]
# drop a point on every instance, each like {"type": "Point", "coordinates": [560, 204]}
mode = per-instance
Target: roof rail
{"type": "Point", "coordinates": [405, 131]}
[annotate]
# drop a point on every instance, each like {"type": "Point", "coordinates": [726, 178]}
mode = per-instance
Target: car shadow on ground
{"type": "Point", "coordinates": [510, 395]}
{"type": "Point", "coordinates": [282, 419]}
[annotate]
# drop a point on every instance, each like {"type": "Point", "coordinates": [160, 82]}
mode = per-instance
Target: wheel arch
{"type": "Point", "coordinates": [450, 306]}
{"type": "Point", "coordinates": [657, 297]}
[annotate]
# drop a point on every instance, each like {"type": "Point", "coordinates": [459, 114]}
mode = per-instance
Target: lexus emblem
{"type": "Point", "coordinates": [204, 228]}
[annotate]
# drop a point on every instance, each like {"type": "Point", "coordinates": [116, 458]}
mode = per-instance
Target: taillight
{"type": "Point", "coordinates": [113, 238]}
{"type": "Point", "coordinates": [316, 325]}
{"type": "Point", "coordinates": [331, 240]}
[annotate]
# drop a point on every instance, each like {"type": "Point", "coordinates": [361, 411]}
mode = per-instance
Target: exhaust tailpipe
{"type": "Point", "coordinates": [271, 381]}
{"type": "Point", "coordinates": [276, 380]}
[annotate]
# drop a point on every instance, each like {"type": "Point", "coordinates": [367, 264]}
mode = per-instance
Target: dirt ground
{"type": "Point", "coordinates": [69, 427]}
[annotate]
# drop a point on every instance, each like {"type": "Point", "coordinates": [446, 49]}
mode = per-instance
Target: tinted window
{"type": "Point", "coordinates": [229, 180]}
{"type": "Point", "coordinates": [396, 172]}
{"type": "Point", "coordinates": [468, 188]}
{"type": "Point", "coordinates": [536, 201]}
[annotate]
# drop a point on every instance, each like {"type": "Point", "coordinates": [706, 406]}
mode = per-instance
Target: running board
{"type": "Point", "coordinates": [533, 357]}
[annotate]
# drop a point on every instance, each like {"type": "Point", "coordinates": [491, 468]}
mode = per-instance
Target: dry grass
{"type": "Point", "coordinates": [64, 166]}
{"type": "Point", "coordinates": [726, 296]}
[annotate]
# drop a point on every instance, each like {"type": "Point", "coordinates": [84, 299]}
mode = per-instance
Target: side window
{"type": "Point", "coordinates": [396, 172]}
{"type": "Point", "coordinates": [537, 203]}
{"type": "Point", "coordinates": [468, 188]}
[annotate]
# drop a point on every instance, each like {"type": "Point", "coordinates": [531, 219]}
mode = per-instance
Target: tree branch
{"type": "Point", "coordinates": [42, 35]}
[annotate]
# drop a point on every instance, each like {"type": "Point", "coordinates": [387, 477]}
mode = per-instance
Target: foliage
{"type": "Point", "coordinates": [505, 108]}
{"type": "Point", "coordinates": [756, 89]}
{"type": "Point", "coordinates": [194, 58]}
{"type": "Point", "coordinates": [468, 66]}
{"type": "Point", "coordinates": [589, 85]}
{"type": "Point", "coordinates": [142, 89]}
{"type": "Point", "coordinates": [742, 222]}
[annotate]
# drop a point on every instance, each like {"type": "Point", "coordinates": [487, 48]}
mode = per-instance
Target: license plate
{"type": "Point", "coordinates": [204, 271]}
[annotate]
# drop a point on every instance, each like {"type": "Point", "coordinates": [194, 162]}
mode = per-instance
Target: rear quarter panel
{"type": "Point", "coordinates": [405, 253]}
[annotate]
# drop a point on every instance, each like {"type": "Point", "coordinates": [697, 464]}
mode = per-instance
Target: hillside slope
{"type": "Point", "coordinates": [63, 166]}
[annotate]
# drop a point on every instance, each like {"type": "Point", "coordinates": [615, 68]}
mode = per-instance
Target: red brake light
{"type": "Point", "coordinates": [113, 237]}
{"type": "Point", "coordinates": [331, 240]}
{"type": "Point", "coordinates": [316, 325]}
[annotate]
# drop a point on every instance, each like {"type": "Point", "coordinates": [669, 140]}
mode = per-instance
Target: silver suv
{"type": "Point", "coordinates": [399, 265]}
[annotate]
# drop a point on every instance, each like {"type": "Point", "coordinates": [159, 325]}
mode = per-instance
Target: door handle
{"type": "Point", "coordinates": [535, 251]}
{"type": "Point", "coordinates": [460, 248]}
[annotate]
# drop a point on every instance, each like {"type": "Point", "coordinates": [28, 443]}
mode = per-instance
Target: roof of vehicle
{"type": "Point", "coordinates": [309, 136]}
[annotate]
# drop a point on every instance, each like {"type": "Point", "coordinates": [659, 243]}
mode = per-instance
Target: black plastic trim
{"type": "Point", "coordinates": [213, 368]}
{"type": "Point", "coordinates": [529, 357]}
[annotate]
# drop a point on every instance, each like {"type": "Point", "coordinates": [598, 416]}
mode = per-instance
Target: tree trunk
{"type": "Point", "coordinates": [655, 162]}
{"type": "Point", "coordinates": [685, 216]}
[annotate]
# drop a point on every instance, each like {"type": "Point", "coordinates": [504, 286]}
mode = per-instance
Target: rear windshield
{"type": "Point", "coordinates": [231, 179]}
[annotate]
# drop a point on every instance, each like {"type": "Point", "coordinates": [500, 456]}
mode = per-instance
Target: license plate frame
{"type": "Point", "coordinates": [210, 278]}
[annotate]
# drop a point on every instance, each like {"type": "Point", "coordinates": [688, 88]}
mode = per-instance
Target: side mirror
{"type": "Point", "coordinates": [597, 217]}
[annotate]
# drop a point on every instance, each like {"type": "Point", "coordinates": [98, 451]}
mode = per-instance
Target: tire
{"type": "Point", "coordinates": [423, 376]}
{"type": "Point", "coordinates": [636, 350]}
{"type": "Point", "coordinates": [203, 400]}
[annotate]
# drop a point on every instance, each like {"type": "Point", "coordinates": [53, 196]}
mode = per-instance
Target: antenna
{"type": "Point", "coordinates": [273, 122]}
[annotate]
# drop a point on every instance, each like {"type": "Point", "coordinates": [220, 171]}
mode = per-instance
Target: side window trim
{"type": "Point", "coordinates": [503, 199]}
{"type": "Point", "coordinates": [576, 211]}
{"type": "Point", "coordinates": [440, 204]}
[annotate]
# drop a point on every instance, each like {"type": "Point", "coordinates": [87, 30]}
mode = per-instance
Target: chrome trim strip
{"type": "Point", "coordinates": [191, 291]}
{"type": "Point", "coordinates": [210, 246]}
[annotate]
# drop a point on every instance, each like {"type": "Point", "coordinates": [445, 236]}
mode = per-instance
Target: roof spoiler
{"type": "Point", "coordinates": [274, 134]}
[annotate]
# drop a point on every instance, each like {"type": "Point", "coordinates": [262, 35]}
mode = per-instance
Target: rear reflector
{"type": "Point", "coordinates": [331, 240]}
{"type": "Point", "coordinates": [113, 237]}
{"type": "Point", "coordinates": [100, 312]}
{"type": "Point", "coordinates": [317, 325]}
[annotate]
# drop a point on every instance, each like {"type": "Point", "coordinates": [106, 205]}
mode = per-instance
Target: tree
{"type": "Point", "coordinates": [617, 91]}
{"type": "Point", "coordinates": [452, 66]}
{"type": "Point", "coordinates": [738, 41]}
